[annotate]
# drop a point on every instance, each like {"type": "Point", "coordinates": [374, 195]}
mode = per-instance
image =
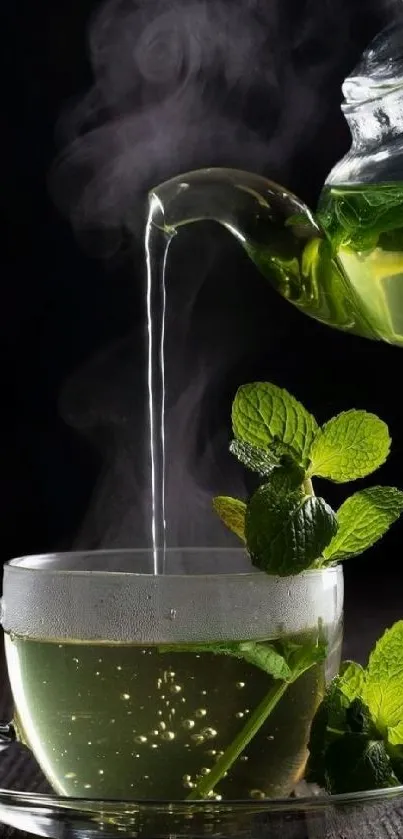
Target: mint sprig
{"type": "Point", "coordinates": [285, 664]}
{"type": "Point", "coordinates": [356, 740]}
{"type": "Point", "coordinates": [287, 529]}
{"type": "Point", "coordinates": [283, 660]}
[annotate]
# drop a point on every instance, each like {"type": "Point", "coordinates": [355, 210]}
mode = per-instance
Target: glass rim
{"type": "Point", "coordinates": [201, 594]}
{"type": "Point", "coordinates": [32, 563]}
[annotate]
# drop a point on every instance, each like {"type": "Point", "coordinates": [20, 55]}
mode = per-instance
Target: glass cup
{"type": "Point", "coordinates": [140, 687]}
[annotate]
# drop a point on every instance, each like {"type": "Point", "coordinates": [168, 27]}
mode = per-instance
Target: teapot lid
{"type": "Point", "coordinates": [380, 69]}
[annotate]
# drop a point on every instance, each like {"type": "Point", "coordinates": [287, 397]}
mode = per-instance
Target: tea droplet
{"type": "Point", "coordinates": [188, 724]}
{"type": "Point", "coordinates": [209, 733]}
{"type": "Point", "coordinates": [201, 712]}
{"type": "Point", "coordinates": [256, 793]}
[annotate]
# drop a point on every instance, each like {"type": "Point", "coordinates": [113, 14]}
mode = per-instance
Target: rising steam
{"type": "Point", "coordinates": [182, 84]}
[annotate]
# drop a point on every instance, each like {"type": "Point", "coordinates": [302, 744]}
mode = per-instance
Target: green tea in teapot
{"type": "Point", "coordinates": [364, 224]}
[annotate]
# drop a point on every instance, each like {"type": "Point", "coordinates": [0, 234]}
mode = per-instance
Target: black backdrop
{"type": "Point", "coordinates": [61, 306]}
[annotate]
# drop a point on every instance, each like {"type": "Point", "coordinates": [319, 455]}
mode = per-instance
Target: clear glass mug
{"type": "Point", "coordinates": [122, 690]}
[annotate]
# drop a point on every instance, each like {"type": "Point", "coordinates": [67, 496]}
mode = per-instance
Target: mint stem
{"type": "Point", "coordinates": [307, 486]}
{"type": "Point", "coordinates": [255, 721]}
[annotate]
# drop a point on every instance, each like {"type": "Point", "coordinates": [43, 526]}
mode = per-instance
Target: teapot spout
{"type": "Point", "coordinates": [275, 228]}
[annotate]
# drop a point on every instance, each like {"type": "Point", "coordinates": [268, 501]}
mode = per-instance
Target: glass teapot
{"type": "Point", "coordinates": [342, 265]}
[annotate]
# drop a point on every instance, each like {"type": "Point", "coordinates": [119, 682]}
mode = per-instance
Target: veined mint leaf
{"type": "Point", "coordinates": [355, 763]}
{"type": "Point", "coordinates": [266, 657]}
{"type": "Point", "coordinates": [265, 460]}
{"type": "Point", "coordinates": [259, 460]}
{"type": "Point", "coordinates": [351, 445]}
{"type": "Point", "coordinates": [286, 478]}
{"type": "Point", "coordinates": [383, 689]}
{"type": "Point", "coordinates": [359, 720]}
{"type": "Point", "coordinates": [232, 512]}
{"type": "Point", "coordinates": [351, 680]}
{"type": "Point", "coordinates": [395, 734]}
{"type": "Point", "coordinates": [363, 519]}
{"type": "Point", "coordinates": [259, 653]}
{"type": "Point", "coordinates": [263, 413]}
{"type": "Point", "coordinates": [286, 533]}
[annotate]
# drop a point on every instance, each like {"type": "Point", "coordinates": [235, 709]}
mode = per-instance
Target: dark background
{"type": "Point", "coordinates": [63, 303]}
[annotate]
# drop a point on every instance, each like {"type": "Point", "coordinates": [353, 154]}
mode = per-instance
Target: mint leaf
{"type": "Point", "coordinates": [328, 724]}
{"type": "Point", "coordinates": [351, 680]}
{"type": "Point", "coordinates": [263, 413]}
{"type": "Point", "coordinates": [359, 720]}
{"type": "Point", "coordinates": [265, 461]}
{"type": "Point", "coordinates": [286, 478]}
{"type": "Point", "coordinates": [259, 653]}
{"type": "Point", "coordinates": [383, 689]}
{"type": "Point", "coordinates": [285, 534]}
{"type": "Point", "coordinates": [349, 446]}
{"type": "Point", "coordinates": [265, 657]}
{"type": "Point", "coordinates": [232, 512]}
{"type": "Point", "coordinates": [363, 519]}
{"type": "Point", "coordinates": [356, 217]}
{"type": "Point", "coordinates": [355, 763]}
{"type": "Point", "coordinates": [262, 461]}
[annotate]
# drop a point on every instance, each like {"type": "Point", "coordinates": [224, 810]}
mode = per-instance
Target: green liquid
{"type": "Point", "coordinates": [364, 225]}
{"type": "Point", "coordinates": [131, 722]}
